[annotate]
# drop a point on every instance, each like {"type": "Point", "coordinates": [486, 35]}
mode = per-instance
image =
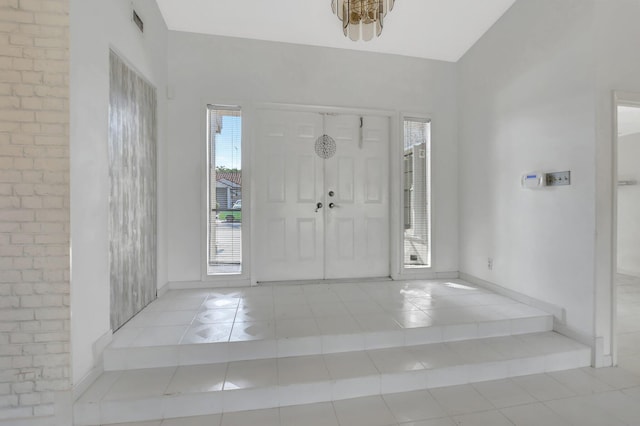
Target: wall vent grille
{"type": "Point", "coordinates": [138, 21]}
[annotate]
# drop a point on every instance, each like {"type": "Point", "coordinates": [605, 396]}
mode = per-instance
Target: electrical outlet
{"type": "Point", "coordinates": [558, 178]}
{"type": "Point", "coordinates": [490, 263]}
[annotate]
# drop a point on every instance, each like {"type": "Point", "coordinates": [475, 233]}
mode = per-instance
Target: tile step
{"type": "Point", "coordinates": [171, 392]}
{"type": "Point", "coordinates": [132, 358]}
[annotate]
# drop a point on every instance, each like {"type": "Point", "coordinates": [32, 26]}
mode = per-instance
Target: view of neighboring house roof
{"type": "Point", "coordinates": [234, 177]}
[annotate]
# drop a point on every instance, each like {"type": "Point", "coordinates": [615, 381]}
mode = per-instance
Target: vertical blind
{"type": "Point", "coordinates": [225, 190]}
{"type": "Point", "coordinates": [417, 193]}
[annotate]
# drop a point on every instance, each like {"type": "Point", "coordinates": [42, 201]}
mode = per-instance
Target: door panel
{"type": "Point", "coordinates": [276, 177]}
{"type": "Point", "coordinates": [307, 240]}
{"type": "Point", "coordinates": [375, 238]}
{"type": "Point", "coordinates": [276, 241]}
{"type": "Point", "coordinates": [306, 179]}
{"type": "Point", "coordinates": [294, 241]}
{"type": "Point", "coordinates": [346, 178]}
{"type": "Point", "coordinates": [287, 165]}
{"type": "Point", "coordinates": [344, 230]}
{"type": "Point", "coordinates": [359, 176]}
{"type": "Point", "coordinates": [373, 186]}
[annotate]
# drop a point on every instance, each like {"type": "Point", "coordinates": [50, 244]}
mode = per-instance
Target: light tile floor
{"type": "Point", "coordinates": [629, 322]}
{"type": "Point", "coordinates": [576, 397]}
{"type": "Point", "coordinates": [584, 397]}
{"type": "Point", "coordinates": [283, 312]}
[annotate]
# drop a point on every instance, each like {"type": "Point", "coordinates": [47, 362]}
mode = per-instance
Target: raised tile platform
{"type": "Point", "coordinates": [198, 352]}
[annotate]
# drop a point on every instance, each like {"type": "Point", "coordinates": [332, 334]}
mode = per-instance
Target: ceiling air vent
{"type": "Point", "coordinates": [138, 21]}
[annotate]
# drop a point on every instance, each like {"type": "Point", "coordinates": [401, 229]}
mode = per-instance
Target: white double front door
{"type": "Point", "coordinates": [321, 218]}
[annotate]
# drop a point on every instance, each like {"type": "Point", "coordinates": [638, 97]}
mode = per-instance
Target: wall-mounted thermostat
{"type": "Point", "coordinates": [533, 180]}
{"type": "Point", "coordinates": [537, 180]}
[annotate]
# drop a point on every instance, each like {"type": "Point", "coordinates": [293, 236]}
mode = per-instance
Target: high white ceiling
{"type": "Point", "coordinates": [434, 29]}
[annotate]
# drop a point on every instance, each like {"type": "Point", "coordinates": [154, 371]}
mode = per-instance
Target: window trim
{"type": "Point", "coordinates": [243, 278]}
{"type": "Point", "coordinates": [402, 271]}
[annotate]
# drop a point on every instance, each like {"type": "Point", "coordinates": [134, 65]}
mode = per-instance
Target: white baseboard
{"type": "Point", "coordinates": [162, 290]}
{"type": "Point", "coordinates": [628, 272]}
{"type": "Point", "coordinates": [84, 383]}
{"type": "Point", "coordinates": [558, 312]}
{"type": "Point", "coordinates": [607, 361]}
{"type": "Point", "coordinates": [100, 345]}
{"type": "Point", "coordinates": [600, 358]}
{"type": "Point", "coordinates": [98, 348]}
{"type": "Point", "coordinates": [425, 274]}
{"type": "Point", "coordinates": [448, 275]}
{"type": "Point", "coordinates": [190, 285]}
{"type": "Point", "coordinates": [330, 281]}
{"type": "Point", "coordinates": [586, 340]}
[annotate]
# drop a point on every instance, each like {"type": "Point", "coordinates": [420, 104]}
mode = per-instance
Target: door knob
{"type": "Point", "coordinates": [318, 207]}
{"type": "Point", "coordinates": [331, 193]}
{"type": "Point", "coordinates": [332, 205]}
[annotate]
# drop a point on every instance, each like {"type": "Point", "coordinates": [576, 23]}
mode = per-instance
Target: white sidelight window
{"type": "Point", "coordinates": [417, 193]}
{"type": "Point", "coordinates": [224, 191]}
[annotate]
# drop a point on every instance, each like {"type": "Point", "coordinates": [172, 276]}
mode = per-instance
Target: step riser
{"type": "Point", "coordinates": [116, 359]}
{"type": "Point", "coordinates": [350, 342]}
{"type": "Point", "coordinates": [172, 406]}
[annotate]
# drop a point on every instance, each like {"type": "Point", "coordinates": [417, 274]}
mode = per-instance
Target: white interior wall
{"type": "Point", "coordinates": [629, 205]}
{"type": "Point", "coordinates": [526, 103]}
{"type": "Point", "coordinates": [97, 26]}
{"type": "Point", "coordinates": [209, 69]}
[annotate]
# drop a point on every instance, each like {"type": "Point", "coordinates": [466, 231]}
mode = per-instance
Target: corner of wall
{"type": "Point", "coordinates": [92, 375]}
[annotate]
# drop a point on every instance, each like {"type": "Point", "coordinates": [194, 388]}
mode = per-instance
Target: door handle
{"type": "Point", "coordinates": [332, 205]}
{"type": "Point", "coordinates": [318, 207]}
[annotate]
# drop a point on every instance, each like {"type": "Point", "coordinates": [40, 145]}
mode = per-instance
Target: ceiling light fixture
{"type": "Point", "coordinates": [361, 19]}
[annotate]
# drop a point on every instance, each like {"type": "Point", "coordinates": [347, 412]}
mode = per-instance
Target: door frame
{"type": "Point", "coordinates": [620, 98]}
{"type": "Point", "coordinates": [392, 116]}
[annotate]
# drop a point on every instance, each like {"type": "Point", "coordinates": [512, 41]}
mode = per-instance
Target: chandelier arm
{"type": "Point", "coordinates": [345, 16]}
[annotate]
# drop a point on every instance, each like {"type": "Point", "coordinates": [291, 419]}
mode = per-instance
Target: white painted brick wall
{"type": "Point", "coordinates": [34, 206]}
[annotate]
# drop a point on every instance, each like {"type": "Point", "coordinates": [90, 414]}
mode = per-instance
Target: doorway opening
{"type": "Point", "coordinates": [627, 273]}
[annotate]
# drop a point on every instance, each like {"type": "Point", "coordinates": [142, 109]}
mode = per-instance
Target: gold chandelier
{"type": "Point", "coordinates": [361, 19]}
